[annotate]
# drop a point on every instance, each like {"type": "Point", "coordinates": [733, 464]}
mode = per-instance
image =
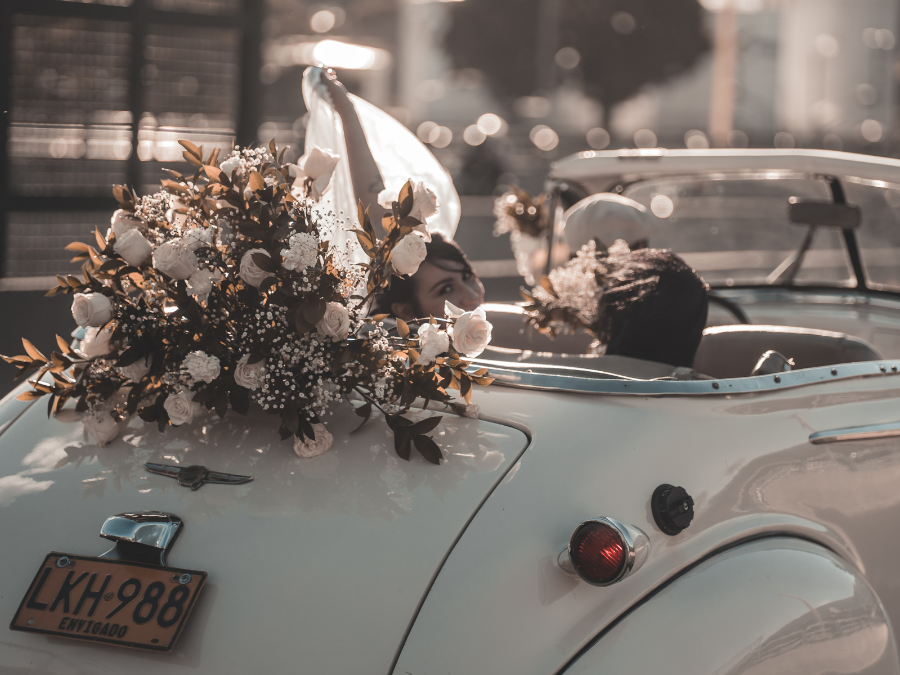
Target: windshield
{"type": "Point", "coordinates": [879, 234]}
{"type": "Point", "coordinates": [734, 229]}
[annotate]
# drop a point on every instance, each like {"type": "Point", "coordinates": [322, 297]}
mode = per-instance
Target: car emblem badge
{"type": "Point", "coordinates": [195, 476]}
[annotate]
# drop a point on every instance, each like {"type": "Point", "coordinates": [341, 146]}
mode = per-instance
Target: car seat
{"type": "Point", "coordinates": [732, 351]}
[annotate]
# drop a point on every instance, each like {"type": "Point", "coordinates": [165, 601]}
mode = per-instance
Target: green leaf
{"type": "Point", "coordinates": [425, 426]}
{"type": "Point", "coordinates": [428, 449]}
{"type": "Point", "coordinates": [364, 411]}
{"type": "Point", "coordinates": [264, 262]}
{"type": "Point", "coordinates": [314, 311]}
{"type": "Point", "coordinates": [402, 443]}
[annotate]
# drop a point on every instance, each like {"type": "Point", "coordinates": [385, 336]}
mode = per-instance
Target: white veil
{"type": "Point", "coordinates": [400, 156]}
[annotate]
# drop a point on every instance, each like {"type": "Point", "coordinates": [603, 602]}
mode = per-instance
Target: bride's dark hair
{"type": "Point", "coordinates": [653, 307]}
{"type": "Point", "coordinates": [440, 251]}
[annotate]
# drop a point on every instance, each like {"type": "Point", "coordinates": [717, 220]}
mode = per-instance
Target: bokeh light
{"type": "Point", "coordinates": [696, 140]}
{"type": "Point", "coordinates": [784, 140]}
{"type": "Point", "coordinates": [344, 55]}
{"type": "Point", "coordinates": [473, 135]}
{"type": "Point", "coordinates": [872, 130]}
{"type": "Point", "coordinates": [532, 106]}
{"type": "Point", "coordinates": [322, 21]}
{"type": "Point", "coordinates": [623, 23]}
{"type": "Point", "coordinates": [431, 90]}
{"type": "Point", "coordinates": [645, 138]}
{"type": "Point", "coordinates": [662, 206]}
{"type": "Point", "coordinates": [425, 131]}
{"type": "Point", "coordinates": [598, 138]}
{"type": "Point", "coordinates": [568, 58]}
{"type": "Point", "coordinates": [827, 45]}
{"type": "Point", "coordinates": [441, 137]}
{"type": "Point", "coordinates": [738, 139]}
{"type": "Point", "coordinates": [544, 137]}
{"type": "Point", "coordinates": [491, 124]}
{"type": "Point", "coordinates": [866, 94]}
{"type": "Point", "coordinates": [833, 142]}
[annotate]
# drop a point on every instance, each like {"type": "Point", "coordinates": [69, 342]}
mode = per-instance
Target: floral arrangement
{"type": "Point", "coordinates": [223, 289]}
{"type": "Point", "coordinates": [568, 299]}
{"type": "Point", "coordinates": [526, 219]}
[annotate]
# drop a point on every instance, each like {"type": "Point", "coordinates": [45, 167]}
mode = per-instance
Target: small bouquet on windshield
{"type": "Point", "coordinates": [527, 221]}
{"type": "Point", "coordinates": [224, 289]}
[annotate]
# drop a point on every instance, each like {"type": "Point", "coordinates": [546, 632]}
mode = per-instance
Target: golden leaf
{"type": "Point", "coordinates": [192, 154]}
{"type": "Point", "coordinates": [256, 181]}
{"type": "Point", "coordinates": [402, 328]}
{"type": "Point", "coordinates": [33, 351]}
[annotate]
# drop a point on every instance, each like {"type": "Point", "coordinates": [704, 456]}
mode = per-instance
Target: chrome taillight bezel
{"type": "Point", "coordinates": [635, 544]}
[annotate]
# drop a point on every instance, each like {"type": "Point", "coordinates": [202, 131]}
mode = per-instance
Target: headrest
{"type": "Point", "coordinates": [607, 217]}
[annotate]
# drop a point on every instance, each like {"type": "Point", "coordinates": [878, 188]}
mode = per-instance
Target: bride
{"type": "Point", "coordinates": [381, 154]}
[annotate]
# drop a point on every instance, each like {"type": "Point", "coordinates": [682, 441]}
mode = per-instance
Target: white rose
{"type": "Point", "coordinates": [134, 247]}
{"type": "Point", "coordinates": [136, 371]}
{"type": "Point", "coordinates": [102, 427]}
{"type": "Point", "coordinates": [91, 309]}
{"type": "Point", "coordinates": [230, 164]}
{"type": "Point", "coordinates": [307, 448]}
{"type": "Point", "coordinates": [425, 205]}
{"type": "Point", "coordinates": [201, 366]}
{"type": "Point", "coordinates": [197, 237]}
{"type": "Point", "coordinates": [200, 283]}
{"type": "Point", "coordinates": [175, 260]}
{"type": "Point", "coordinates": [96, 342]}
{"type": "Point", "coordinates": [318, 165]}
{"type": "Point", "coordinates": [250, 271]}
{"type": "Point", "coordinates": [250, 375]}
{"type": "Point", "coordinates": [432, 343]}
{"type": "Point", "coordinates": [121, 222]}
{"type": "Point", "coordinates": [408, 254]}
{"type": "Point", "coordinates": [335, 323]}
{"type": "Point", "coordinates": [181, 408]}
{"type": "Point", "coordinates": [471, 331]}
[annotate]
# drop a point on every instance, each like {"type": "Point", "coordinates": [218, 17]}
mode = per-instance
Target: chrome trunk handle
{"type": "Point", "coordinates": [143, 536]}
{"type": "Point", "coordinates": [865, 432]}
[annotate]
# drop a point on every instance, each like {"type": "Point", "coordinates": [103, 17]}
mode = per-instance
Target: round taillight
{"type": "Point", "coordinates": [598, 552]}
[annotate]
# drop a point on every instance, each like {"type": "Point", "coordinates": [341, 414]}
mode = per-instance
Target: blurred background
{"type": "Point", "coordinates": [96, 92]}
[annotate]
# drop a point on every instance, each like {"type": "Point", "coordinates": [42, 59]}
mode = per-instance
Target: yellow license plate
{"type": "Point", "coordinates": [116, 602]}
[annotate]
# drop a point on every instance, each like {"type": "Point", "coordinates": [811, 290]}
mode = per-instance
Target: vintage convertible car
{"type": "Point", "coordinates": [599, 515]}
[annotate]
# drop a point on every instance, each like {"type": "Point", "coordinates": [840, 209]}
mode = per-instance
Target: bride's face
{"type": "Point", "coordinates": [451, 281]}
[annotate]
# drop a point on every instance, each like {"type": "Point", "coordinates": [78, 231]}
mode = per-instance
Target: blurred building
{"type": "Point", "coordinates": [100, 91]}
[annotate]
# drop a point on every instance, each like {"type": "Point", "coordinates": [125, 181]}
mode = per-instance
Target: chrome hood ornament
{"type": "Point", "coordinates": [195, 476]}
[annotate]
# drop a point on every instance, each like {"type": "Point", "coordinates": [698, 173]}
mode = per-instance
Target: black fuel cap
{"type": "Point", "coordinates": [673, 508]}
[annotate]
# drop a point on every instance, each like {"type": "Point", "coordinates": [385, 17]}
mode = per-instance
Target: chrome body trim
{"type": "Point", "coordinates": [525, 375]}
{"type": "Point", "coordinates": [637, 549]}
{"type": "Point", "coordinates": [860, 433]}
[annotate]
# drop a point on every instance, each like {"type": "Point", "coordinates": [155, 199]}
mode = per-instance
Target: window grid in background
{"type": "Point", "coordinates": [99, 93]}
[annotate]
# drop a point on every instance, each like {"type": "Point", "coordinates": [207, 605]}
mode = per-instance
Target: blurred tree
{"type": "Point", "coordinates": [623, 44]}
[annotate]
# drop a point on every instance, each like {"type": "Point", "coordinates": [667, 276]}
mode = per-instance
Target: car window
{"type": "Point", "coordinates": [879, 232]}
{"type": "Point", "coordinates": [734, 229]}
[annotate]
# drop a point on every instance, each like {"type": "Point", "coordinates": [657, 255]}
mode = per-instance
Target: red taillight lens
{"type": "Point", "coordinates": [598, 552]}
